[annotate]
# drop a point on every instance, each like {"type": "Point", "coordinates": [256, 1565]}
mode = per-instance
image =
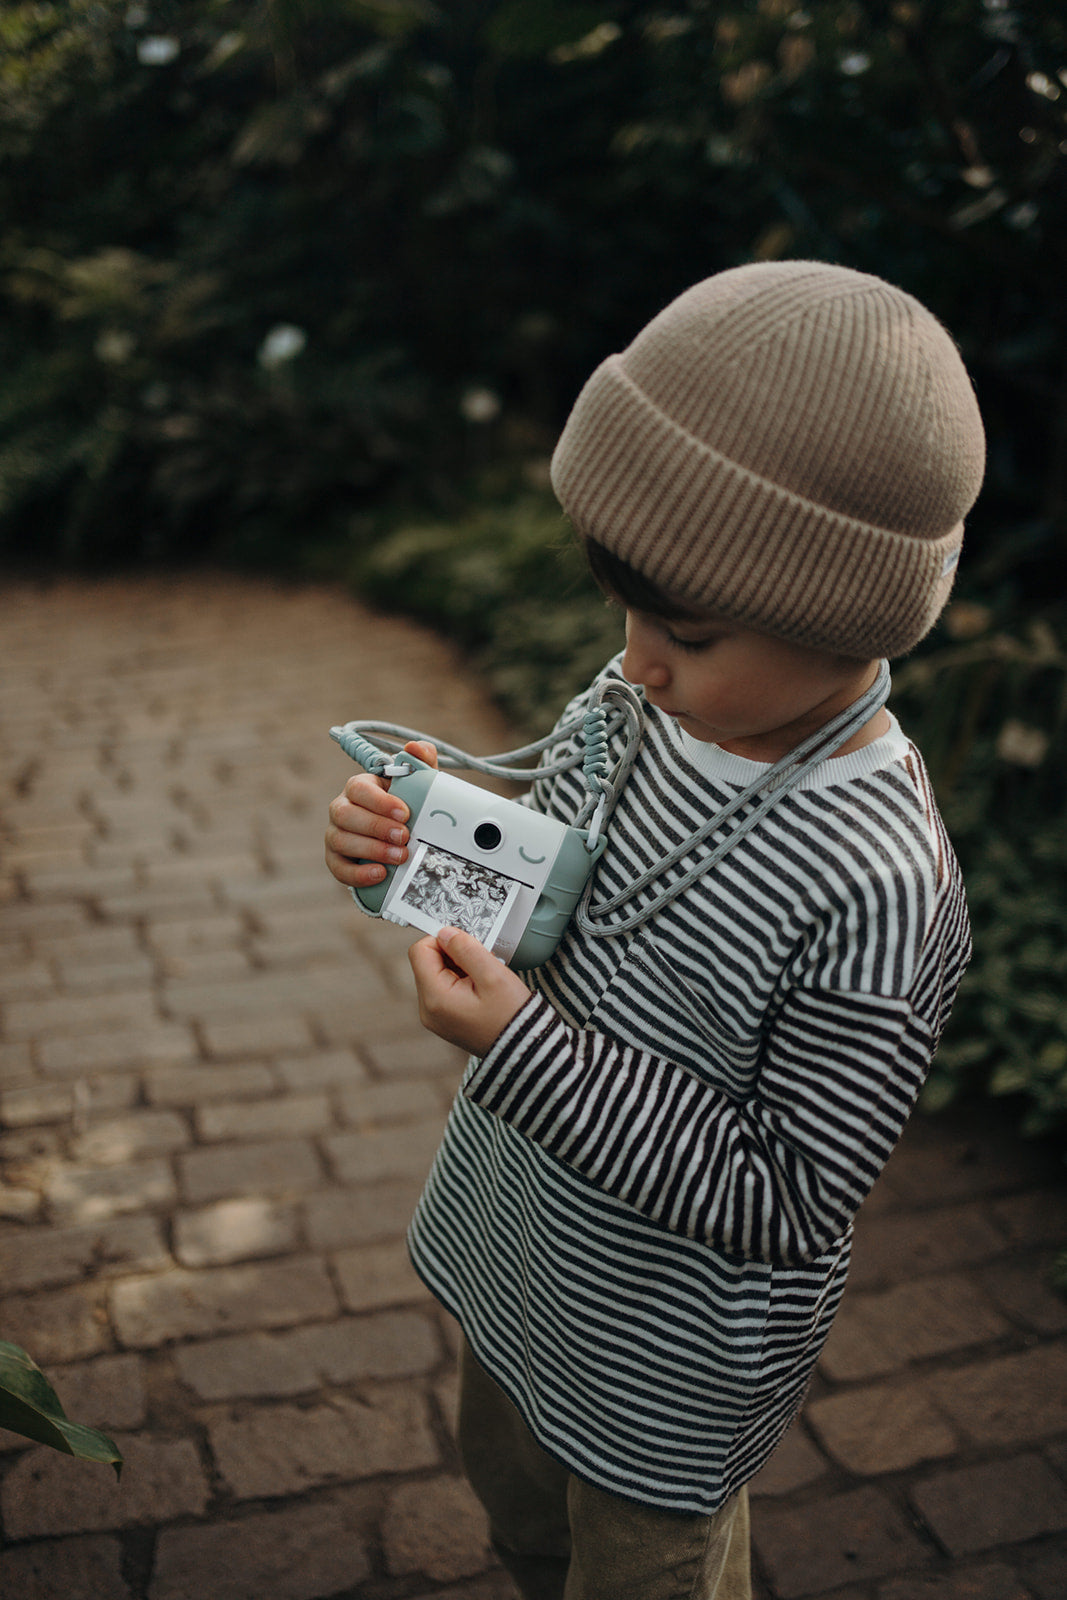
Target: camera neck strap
{"type": "Point", "coordinates": [599, 918]}
{"type": "Point", "coordinates": [617, 707]}
{"type": "Point", "coordinates": [378, 748]}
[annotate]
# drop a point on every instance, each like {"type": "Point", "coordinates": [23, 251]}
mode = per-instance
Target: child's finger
{"type": "Point", "coordinates": [372, 794]}
{"type": "Point", "coordinates": [428, 963]}
{"type": "Point", "coordinates": [354, 874]}
{"type": "Point", "coordinates": [351, 829]}
{"type": "Point", "coordinates": [470, 956]}
{"type": "Point", "coordinates": [424, 750]}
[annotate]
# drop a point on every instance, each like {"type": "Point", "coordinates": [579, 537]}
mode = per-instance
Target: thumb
{"type": "Point", "coordinates": [424, 750]}
{"type": "Point", "coordinates": [468, 954]}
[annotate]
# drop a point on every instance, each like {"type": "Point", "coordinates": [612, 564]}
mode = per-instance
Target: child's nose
{"type": "Point", "coordinates": [643, 660]}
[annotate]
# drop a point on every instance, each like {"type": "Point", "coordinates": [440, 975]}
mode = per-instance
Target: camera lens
{"type": "Point", "coordinates": [487, 836]}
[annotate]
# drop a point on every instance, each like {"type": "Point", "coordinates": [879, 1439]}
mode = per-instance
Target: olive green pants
{"type": "Point", "coordinates": [562, 1539]}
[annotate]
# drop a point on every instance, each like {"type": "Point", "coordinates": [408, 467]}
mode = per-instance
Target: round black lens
{"type": "Point", "coordinates": [487, 836]}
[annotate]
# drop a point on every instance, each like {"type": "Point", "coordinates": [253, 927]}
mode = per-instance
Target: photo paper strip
{"type": "Point", "coordinates": [443, 890]}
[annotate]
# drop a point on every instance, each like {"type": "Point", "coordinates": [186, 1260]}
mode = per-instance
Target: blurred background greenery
{"type": "Point", "coordinates": [308, 286]}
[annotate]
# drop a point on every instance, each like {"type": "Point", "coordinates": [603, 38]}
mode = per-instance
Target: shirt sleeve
{"type": "Point", "coordinates": [777, 1177]}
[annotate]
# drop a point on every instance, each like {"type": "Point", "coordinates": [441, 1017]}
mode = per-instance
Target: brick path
{"type": "Point", "coordinates": [217, 1108]}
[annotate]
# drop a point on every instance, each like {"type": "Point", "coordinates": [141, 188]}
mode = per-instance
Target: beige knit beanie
{"type": "Point", "coordinates": [791, 444]}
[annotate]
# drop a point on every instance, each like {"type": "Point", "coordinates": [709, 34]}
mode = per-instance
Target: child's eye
{"type": "Point", "coordinates": [691, 645]}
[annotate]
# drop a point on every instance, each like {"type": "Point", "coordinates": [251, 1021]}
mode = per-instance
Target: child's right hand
{"type": "Point", "coordinates": [368, 831]}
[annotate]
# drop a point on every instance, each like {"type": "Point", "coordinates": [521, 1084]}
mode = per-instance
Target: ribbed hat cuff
{"type": "Point", "coordinates": [703, 528]}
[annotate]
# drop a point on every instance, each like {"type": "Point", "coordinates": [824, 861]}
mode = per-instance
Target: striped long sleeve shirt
{"type": "Point", "coordinates": [641, 1209]}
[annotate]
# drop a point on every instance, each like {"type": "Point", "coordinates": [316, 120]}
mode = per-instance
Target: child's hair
{"type": "Point", "coordinates": [791, 444]}
{"type": "Point", "coordinates": [624, 584]}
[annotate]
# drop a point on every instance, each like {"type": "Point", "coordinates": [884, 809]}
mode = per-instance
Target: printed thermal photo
{"type": "Point", "coordinates": [444, 890]}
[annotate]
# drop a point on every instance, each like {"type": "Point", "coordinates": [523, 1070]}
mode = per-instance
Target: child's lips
{"type": "Point", "coordinates": [665, 710]}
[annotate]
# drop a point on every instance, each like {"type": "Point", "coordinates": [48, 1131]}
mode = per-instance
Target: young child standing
{"type": "Point", "coordinates": [641, 1209]}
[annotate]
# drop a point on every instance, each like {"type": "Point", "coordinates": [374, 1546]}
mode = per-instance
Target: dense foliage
{"type": "Point", "coordinates": [301, 282]}
{"type": "Point", "coordinates": [266, 262]}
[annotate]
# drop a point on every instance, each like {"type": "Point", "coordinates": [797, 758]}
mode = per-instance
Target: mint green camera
{"type": "Point", "coordinates": [500, 871]}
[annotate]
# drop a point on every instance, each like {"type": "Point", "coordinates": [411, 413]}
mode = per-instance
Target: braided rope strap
{"type": "Point", "coordinates": [367, 755]}
{"type": "Point", "coordinates": [616, 707]}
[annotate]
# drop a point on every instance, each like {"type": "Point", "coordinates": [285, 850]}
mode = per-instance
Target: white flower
{"type": "Point", "coordinates": [1039, 84]}
{"type": "Point", "coordinates": [660, 28]}
{"type": "Point", "coordinates": [283, 343]}
{"type": "Point", "coordinates": [114, 345]}
{"type": "Point", "coordinates": [603, 35]}
{"type": "Point", "coordinates": [855, 63]}
{"type": "Point", "coordinates": [157, 50]}
{"type": "Point", "coordinates": [479, 405]}
{"type": "Point", "coordinates": [1022, 745]}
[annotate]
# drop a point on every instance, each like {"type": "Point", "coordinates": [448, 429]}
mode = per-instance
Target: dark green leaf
{"type": "Point", "coordinates": [30, 1406]}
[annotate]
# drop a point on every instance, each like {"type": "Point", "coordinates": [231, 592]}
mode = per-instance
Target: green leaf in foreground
{"type": "Point", "coordinates": [30, 1406]}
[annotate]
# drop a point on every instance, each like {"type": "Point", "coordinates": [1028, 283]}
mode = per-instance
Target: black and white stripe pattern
{"type": "Point", "coordinates": [641, 1211]}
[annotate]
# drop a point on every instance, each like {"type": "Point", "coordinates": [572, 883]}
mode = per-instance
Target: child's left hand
{"type": "Point", "coordinates": [466, 995]}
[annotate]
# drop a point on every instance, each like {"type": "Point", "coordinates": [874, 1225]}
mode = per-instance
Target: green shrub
{"type": "Point", "coordinates": [265, 266]}
{"type": "Point", "coordinates": [508, 583]}
{"type": "Point", "coordinates": [989, 712]}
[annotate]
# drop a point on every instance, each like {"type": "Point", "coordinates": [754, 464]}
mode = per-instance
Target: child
{"type": "Point", "coordinates": [641, 1210]}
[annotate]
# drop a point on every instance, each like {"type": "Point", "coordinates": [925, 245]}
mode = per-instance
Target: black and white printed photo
{"type": "Point", "coordinates": [445, 890]}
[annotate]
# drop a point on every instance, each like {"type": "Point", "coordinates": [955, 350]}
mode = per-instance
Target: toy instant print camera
{"type": "Point", "coordinates": [507, 875]}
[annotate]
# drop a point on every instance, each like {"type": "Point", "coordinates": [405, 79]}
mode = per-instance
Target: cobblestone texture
{"type": "Point", "coordinates": [216, 1110]}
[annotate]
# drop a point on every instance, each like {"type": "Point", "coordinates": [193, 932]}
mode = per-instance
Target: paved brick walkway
{"type": "Point", "coordinates": [216, 1110]}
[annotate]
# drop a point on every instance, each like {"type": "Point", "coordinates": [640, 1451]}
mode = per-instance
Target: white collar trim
{"type": "Point", "coordinates": [714, 762]}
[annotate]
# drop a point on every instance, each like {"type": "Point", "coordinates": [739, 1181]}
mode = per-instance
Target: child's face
{"type": "Point", "coordinates": [748, 692]}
